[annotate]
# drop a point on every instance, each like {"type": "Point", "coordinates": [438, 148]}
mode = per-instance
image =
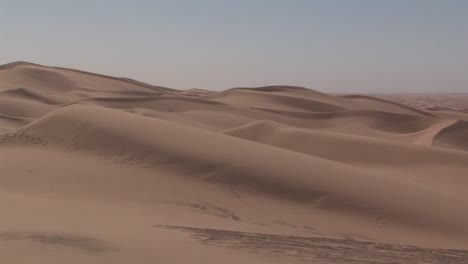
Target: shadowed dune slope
{"type": "Point", "coordinates": [454, 136]}
{"type": "Point", "coordinates": [342, 147]}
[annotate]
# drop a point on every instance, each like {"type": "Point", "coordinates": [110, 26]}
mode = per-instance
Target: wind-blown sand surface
{"type": "Point", "coordinates": [97, 169]}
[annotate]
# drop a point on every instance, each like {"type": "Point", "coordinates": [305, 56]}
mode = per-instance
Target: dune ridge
{"type": "Point", "coordinates": [107, 159]}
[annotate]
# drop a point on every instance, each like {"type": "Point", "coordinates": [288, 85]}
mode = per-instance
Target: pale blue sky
{"type": "Point", "coordinates": [328, 45]}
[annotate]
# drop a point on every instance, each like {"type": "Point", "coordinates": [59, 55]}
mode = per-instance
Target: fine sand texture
{"type": "Point", "coordinates": [100, 169]}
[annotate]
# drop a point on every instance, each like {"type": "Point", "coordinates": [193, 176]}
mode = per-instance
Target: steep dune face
{"type": "Point", "coordinates": [342, 147]}
{"type": "Point", "coordinates": [117, 171]}
{"type": "Point", "coordinates": [454, 136]}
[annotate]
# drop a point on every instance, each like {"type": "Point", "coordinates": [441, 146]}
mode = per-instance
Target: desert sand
{"type": "Point", "coordinates": [99, 169]}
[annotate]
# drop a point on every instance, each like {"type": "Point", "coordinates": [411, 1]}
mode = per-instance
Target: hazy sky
{"type": "Point", "coordinates": [329, 45]}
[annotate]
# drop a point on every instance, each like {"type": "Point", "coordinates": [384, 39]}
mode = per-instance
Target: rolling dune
{"type": "Point", "coordinates": [99, 169]}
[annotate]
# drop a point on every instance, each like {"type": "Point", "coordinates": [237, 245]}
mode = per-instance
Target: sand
{"type": "Point", "coordinates": [99, 169]}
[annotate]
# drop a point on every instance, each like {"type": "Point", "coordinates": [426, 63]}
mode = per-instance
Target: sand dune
{"type": "Point", "coordinates": [102, 169]}
{"type": "Point", "coordinates": [454, 136]}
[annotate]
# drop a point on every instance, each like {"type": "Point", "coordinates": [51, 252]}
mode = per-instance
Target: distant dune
{"type": "Point", "coordinates": [100, 169]}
